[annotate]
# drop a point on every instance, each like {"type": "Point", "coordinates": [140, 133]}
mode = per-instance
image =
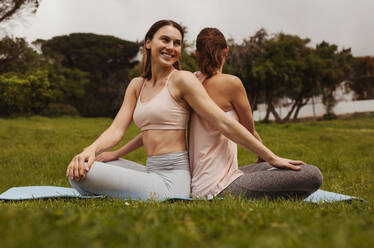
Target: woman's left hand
{"type": "Point", "coordinates": [285, 163]}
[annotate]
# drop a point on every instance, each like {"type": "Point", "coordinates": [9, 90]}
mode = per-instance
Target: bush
{"type": "Point", "coordinates": [329, 116]}
{"type": "Point", "coordinates": [59, 109]}
{"type": "Point", "coordinates": [24, 93]}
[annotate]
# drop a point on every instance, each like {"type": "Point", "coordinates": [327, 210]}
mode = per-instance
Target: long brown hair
{"type": "Point", "coordinates": [210, 44]}
{"type": "Point", "coordinates": [146, 71]}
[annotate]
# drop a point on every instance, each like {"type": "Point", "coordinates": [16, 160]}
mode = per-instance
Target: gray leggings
{"type": "Point", "coordinates": [263, 180]}
{"type": "Point", "coordinates": [164, 176]}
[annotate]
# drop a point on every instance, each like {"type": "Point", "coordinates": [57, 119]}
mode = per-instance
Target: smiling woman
{"type": "Point", "coordinates": [164, 26]}
{"type": "Point", "coordinates": [159, 102]}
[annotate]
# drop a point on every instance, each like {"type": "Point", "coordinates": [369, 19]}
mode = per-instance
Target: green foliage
{"type": "Point", "coordinates": [362, 81]}
{"type": "Point", "coordinates": [274, 68]}
{"type": "Point", "coordinates": [134, 72]}
{"type": "Point", "coordinates": [337, 68]}
{"type": "Point", "coordinates": [36, 151]}
{"type": "Point", "coordinates": [284, 66]}
{"type": "Point", "coordinates": [68, 85]}
{"type": "Point", "coordinates": [247, 61]}
{"type": "Point", "coordinates": [189, 61]}
{"type": "Point", "coordinates": [17, 56]}
{"type": "Point", "coordinates": [30, 93]}
{"type": "Point", "coordinates": [90, 52]}
{"type": "Point", "coordinates": [285, 74]}
{"type": "Point", "coordinates": [24, 94]}
{"type": "Point", "coordinates": [188, 57]}
{"type": "Point", "coordinates": [91, 72]}
{"type": "Point", "coordinates": [59, 109]}
{"type": "Point", "coordinates": [107, 59]}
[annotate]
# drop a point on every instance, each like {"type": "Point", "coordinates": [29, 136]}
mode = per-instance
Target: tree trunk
{"type": "Point", "coordinates": [274, 112]}
{"type": "Point", "coordinates": [266, 118]}
{"type": "Point", "coordinates": [252, 100]}
{"type": "Point", "coordinates": [291, 111]}
{"type": "Point", "coordinates": [302, 104]}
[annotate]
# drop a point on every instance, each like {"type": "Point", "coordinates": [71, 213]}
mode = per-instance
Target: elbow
{"type": "Point", "coordinates": [225, 127]}
{"type": "Point", "coordinates": [119, 135]}
{"type": "Point", "coordinates": [116, 133]}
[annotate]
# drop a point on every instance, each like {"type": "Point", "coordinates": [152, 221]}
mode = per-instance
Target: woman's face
{"type": "Point", "coordinates": [165, 46]}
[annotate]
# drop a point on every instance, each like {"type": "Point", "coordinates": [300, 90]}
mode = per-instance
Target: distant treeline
{"type": "Point", "coordinates": [87, 74]}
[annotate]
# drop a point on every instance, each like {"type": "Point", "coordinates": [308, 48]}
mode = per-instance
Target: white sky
{"type": "Point", "coordinates": [347, 23]}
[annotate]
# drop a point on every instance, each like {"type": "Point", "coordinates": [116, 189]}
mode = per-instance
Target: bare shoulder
{"type": "Point", "coordinates": [135, 85]}
{"type": "Point", "coordinates": [184, 78]}
{"type": "Point", "coordinates": [136, 82]}
{"type": "Point", "coordinates": [232, 79]}
{"type": "Point", "coordinates": [181, 75]}
{"type": "Point", "coordinates": [228, 83]}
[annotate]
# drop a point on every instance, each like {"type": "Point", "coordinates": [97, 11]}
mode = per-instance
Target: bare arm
{"type": "Point", "coordinates": [113, 135]}
{"type": "Point", "coordinates": [194, 94]}
{"type": "Point", "coordinates": [132, 145]}
{"type": "Point", "coordinates": [239, 100]}
{"type": "Point", "coordinates": [109, 138]}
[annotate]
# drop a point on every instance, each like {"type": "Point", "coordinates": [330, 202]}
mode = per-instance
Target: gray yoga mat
{"type": "Point", "coordinates": [41, 192]}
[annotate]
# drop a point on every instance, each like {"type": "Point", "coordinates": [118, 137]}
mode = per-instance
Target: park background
{"type": "Point", "coordinates": [64, 67]}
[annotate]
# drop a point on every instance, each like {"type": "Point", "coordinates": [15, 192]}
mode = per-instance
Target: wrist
{"type": "Point", "coordinates": [91, 149]}
{"type": "Point", "coordinates": [271, 159]}
{"type": "Point", "coordinates": [116, 154]}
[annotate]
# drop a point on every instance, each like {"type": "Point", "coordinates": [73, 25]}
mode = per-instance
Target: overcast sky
{"type": "Point", "coordinates": [347, 23]}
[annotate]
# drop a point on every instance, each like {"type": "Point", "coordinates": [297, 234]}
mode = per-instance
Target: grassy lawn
{"type": "Point", "coordinates": [36, 151]}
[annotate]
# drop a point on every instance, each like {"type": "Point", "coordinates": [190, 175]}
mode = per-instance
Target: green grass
{"type": "Point", "coordinates": [36, 151]}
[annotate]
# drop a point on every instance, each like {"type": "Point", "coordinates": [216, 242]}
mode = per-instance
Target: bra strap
{"type": "Point", "coordinates": [167, 80]}
{"type": "Point", "coordinates": [141, 90]}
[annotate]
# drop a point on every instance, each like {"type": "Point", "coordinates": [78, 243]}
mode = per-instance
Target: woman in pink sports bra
{"type": "Point", "coordinates": [166, 174]}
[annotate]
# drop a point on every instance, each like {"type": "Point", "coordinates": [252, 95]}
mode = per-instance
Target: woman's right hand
{"type": "Point", "coordinates": [284, 163]}
{"type": "Point", "coordinates": [107, 156]}
{"type": "Point", "coordinates": [77, 169]}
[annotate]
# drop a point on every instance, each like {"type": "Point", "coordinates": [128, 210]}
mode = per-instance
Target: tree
{"type": "Point", "coordinates": [285, 67]}
{"type": "Point", "coordinates": [28, 93]}
{"type": "Point", "coordinates": [337, 68]}
{"type": "Point", "coordinates": [246, 61]}
{"type": "Point", "coordinates": [362, 80]}
{"type": "Point", "coordinates": [300, 69]}
{"type": "Point", "coordinates": [67, 85]}
{"type": "Point", "coordinates": [31, 92]}
{"type": "Point", "coordinates": [188, 58]}
{"type": "Point", "coordinates": [309, 85]}
{"type": "Point", "coordinates": [29, 83]}
{"type": "Point", "coordinates": [275, 68]}
{"type": "Point", "coordinates": [106, 58]}
{"type": "Point", "coordinates": [284, 73]}
{"type": "Point", "coordinates": [17, 56]}
{"type": "Point", "coordinates": [14, 8]}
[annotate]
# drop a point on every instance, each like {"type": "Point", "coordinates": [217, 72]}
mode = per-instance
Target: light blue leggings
{"type": "Point", "coordinates": [164, 176]}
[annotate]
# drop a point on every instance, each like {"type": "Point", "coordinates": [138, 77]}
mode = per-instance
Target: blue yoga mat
{"type": "Point", "coordinates": [41, 192]}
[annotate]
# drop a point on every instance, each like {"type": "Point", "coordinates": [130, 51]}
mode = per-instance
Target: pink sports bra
{"type": "Point", "coordinates": [161, 112]}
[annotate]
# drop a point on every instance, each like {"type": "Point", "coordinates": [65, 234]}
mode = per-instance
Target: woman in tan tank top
{"type": "Point", "coordinates": [162, 48]}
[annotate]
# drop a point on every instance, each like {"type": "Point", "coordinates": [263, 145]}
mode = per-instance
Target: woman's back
{"type": "Point", "coordinates": [213, 157]}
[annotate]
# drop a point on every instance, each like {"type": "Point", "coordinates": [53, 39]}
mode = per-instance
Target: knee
{"type": "Point", "coordinates": [314, 176]}
{"type": "Point", "coordinates": [75, 185]}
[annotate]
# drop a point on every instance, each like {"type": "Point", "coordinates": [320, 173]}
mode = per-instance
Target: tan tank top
{"type": "Point", "coordinates": [161, 112]}
{"type": "Point", "coordinates": [213, 157]}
